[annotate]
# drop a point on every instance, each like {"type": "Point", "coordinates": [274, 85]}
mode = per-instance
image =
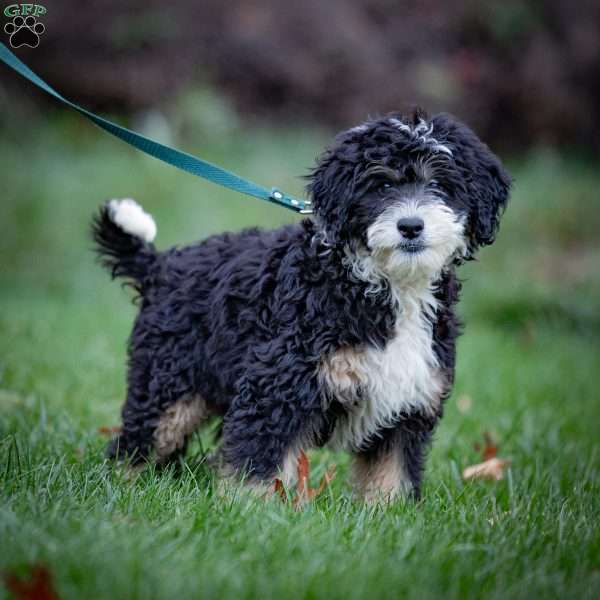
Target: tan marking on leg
{"type": "Point", "coordinates": [382, 478]}
{"type": "Point", "coordinates": [178, 421]}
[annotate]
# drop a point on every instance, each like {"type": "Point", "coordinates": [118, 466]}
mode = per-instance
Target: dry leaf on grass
{"type": "Point", "coordinates": [304, 493]}
{"type": "Point", "coordinates": [104, 430]}
{"type": "Point", "coordinates": [492, 468]}
{"type": "Point", "coordinates": [490, 448]}
{"type": "Point", "coordinates": [38, 586]}
{"type": "Point", "coordinates": [280, 490]}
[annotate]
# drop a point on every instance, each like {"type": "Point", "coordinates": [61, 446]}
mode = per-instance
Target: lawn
{"type": "Point", "coordinates": [526, 374]}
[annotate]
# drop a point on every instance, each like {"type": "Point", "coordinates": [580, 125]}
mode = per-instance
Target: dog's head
{"type": "Point", "coordinates": [412, 193]}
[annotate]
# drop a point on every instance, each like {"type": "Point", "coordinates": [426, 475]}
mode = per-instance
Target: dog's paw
{"type": "Point", "coordinates": [24, 31]}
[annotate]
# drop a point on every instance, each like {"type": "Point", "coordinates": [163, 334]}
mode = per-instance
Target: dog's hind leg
{"type": "Point", "coordinates": [160, 436]}
{"type": "Point", "coordinates": [135, 441]}
{"type": "Point", "coordinates": [161, 410]}
{"type": "Point", "coordinates": [175, 426]}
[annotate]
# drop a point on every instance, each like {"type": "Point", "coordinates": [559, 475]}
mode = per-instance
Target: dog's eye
{"type": "Point", "coordinates": [384, 188]}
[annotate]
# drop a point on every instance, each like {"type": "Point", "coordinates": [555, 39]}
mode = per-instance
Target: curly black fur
{"type": "Point", "coordinates": [245, 320]}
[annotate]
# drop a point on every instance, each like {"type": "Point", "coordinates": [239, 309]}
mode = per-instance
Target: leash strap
{"type": "Point", "coordinates": [177, 158]}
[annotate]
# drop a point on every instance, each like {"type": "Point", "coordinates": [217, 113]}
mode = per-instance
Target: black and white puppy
{"type": "Point", "coordinates": [339, 329]}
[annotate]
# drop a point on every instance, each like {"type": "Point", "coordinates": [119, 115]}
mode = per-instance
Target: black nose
{"type": "Point", "coordinates": [411, 227]}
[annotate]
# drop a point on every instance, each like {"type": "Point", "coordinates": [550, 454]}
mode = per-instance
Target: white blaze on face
{"type": "Point", "coordinates": [442, 238]}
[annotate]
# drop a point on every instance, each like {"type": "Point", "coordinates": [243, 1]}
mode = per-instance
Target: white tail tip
{"type": "Point", "coordinates": [132, 218]}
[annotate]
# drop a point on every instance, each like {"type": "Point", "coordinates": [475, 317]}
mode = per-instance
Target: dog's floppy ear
{"type": "Point", "coordinates": [484, 180]}
{"type": "Point", "coordinates": [330, 187]}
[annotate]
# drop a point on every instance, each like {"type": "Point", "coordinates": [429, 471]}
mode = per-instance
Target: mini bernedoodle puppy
{"type": "Point", "coordinates": [339, 329]}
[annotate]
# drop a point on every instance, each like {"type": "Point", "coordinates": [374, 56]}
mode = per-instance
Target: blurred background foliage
{"type": "Point", "coordinates": [521, 72]}
{"type": "Point", "coordinates": [260, 88]}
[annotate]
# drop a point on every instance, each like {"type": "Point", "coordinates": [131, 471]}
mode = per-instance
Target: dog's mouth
{"type": "Point", "coordinates": [412, 247]}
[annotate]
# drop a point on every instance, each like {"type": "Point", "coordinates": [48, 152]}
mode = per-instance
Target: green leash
{"type": "Point", "coordinates": [181, 160]}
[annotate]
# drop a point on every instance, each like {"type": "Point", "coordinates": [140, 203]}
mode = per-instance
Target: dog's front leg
{"type": "Point", "coordinates": [275, 415]}
{"type": "Point", "coordinates": [379, 473]}
{"type": "Point", "coordinates": [392, 466]}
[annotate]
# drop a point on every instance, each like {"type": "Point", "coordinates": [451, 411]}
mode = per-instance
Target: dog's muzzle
{"type": "Point", "coordinates": [411, 230]}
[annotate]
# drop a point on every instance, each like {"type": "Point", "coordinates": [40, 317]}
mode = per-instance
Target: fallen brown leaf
{"type": "Point", "coordinates": [304, 493]}
{"type": "Point", "coordinates": [303, 469]}
{"type": "Point", "coordinates": [493, 468]}
{"type": "Point", "coordinates": [104, 430]}
{"type": "Point", "coordinates": [490, 448]}
{"type": "Point", "coordinates": [280, 490]}
{"type": "Point", "coordinates": [38, 586]}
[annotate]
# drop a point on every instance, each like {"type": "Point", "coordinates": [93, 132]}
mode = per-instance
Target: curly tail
{"type": "Point", "coordinates": [123, 233]}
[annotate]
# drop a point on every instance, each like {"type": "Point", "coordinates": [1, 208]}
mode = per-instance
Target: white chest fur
{"type": "Point", "coordinates": [377, 385]}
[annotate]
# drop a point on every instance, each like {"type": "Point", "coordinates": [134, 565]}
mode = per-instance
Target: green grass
{"type": "Point", "coordinates": [527, 361]}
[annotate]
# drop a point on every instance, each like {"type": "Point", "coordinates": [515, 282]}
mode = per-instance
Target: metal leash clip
{"type": "Point", "coordinates": [304, 207]}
